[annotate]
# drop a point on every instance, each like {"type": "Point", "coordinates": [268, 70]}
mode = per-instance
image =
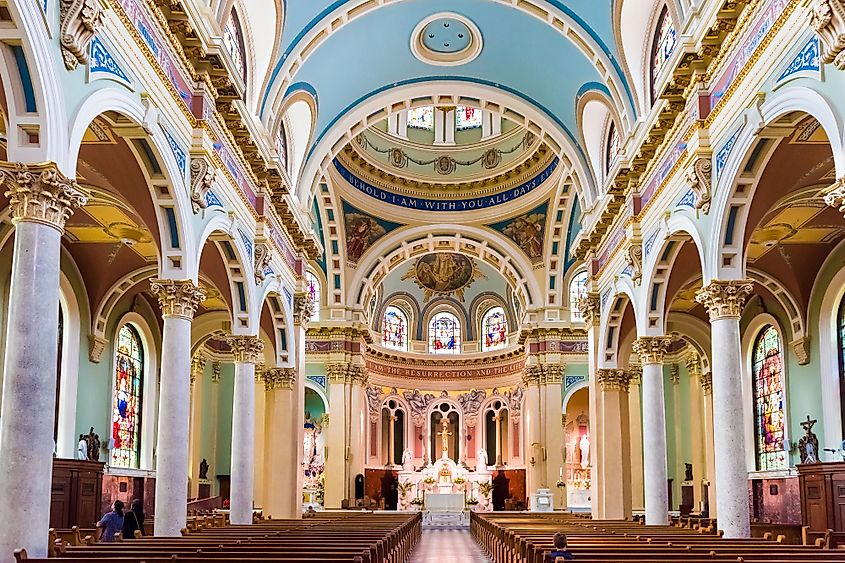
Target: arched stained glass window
{"type": "Point", "coordinates": [312, 287]}
{"type": "Point", "coordinates": [126, 408]}
{"type": "Point", "coordinates": [444, 334]}
{"type": "Point", "coordinates": [467, 117]}
{"type": "Point", "coordinates": [840, 332]}
{"type": "Point", "coordinates": [665, 39]}
{"type": "Point", "coordinates": [394, 329]}
{"type": "Point", "coordinates": [577, 290]}
{"type": "Point", "coordinates": [494, 329]}
{"type": "Point", "coordinates": [612, 151]}
{"type": "Point", "coordinates": [767, 380]}
{"type": "Point", "coordinates": [421, 118]}
{"type": "Point", "coordinates": [233, 41]}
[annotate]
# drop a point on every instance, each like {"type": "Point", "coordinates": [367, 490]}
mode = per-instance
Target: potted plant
{"type": "Point", "coordinates": [429, 480]}
{"type": "Point", "coordinates": [485, 488]}
{"type": "Point", "coordinates": [417, 503]}
{"type": "Point", "coordinates": [459, 481]}
{"type": "Point", "coordinates": [472, 501]}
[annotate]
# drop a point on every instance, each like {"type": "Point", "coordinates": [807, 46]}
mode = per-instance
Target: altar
{"type": "Point", "coordinates": [445, 510]}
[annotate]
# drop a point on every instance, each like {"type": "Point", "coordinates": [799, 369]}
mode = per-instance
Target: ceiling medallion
{"type": "Point", "coordinates": [446, 39]}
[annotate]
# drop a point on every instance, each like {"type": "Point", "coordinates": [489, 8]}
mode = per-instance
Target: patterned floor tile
{"type": "Point", "coordinates": [442, 546]}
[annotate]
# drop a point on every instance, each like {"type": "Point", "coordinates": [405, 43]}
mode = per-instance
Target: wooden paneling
{"type": "Point", "coordinates": [823, 496]}
{"type": "Point", "coordinates": [76, 493]}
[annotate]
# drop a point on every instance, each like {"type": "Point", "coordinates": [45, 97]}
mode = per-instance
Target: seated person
{"type": "Point", "coordinates": [560, 549]}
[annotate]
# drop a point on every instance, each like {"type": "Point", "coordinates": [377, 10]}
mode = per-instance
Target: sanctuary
{"type": "Point", "coordinates": [408, 268]}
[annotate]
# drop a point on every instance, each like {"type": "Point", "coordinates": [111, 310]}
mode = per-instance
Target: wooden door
{"type": "Point", "coordinates": [814, 502]}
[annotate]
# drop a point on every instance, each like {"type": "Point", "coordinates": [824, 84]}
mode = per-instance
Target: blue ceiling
{"type": "Point", "coordinates": [521, 55]}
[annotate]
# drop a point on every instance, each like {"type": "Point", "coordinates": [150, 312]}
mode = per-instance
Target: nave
{"type": "Point", "coordinates": [442, 545]}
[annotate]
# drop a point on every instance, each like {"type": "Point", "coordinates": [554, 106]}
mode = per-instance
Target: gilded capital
{"type": "Point", "coordinates": [303, 309]}
{"type": "Point", "coordinates": [635, 374]}
{"type": "Point", "coordinates": [177, 298]}
{"type": "Point", "coordinates": [246, 349]}
{"type": "Point", "coordinates": [707, 382]}
{"type": "Point", "coordinates": [197, 366]}
{"type": "Point", "coordinates": [279, 378]}
{"type": "Point", "coordinates": [675, 374]}
{"type": "Point", "coordinates": [40, 193]}
{"type": "Point", "coordinates": [590, 307]}
{"type": "Point", "coordinates": [693, 365]}
{"type": "Point", "coordinates": [531, 375]}
{"type": "Point", "coordinates": [651, 349]}
{"type": "Point", "coordinates": [613, 379]}
{"type": "Point", "coordinates": [724, 299]}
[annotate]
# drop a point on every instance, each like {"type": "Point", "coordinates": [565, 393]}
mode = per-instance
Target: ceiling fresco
{"type": "Point", "coordinates": [528, 231]}
{"type": "Point", "coordinates": [362, 230]}
{"type": "Point", "coordinates": [443, 274]}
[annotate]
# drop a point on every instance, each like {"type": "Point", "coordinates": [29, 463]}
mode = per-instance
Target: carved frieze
{"type": "Point", "coordinates": [470, 404]}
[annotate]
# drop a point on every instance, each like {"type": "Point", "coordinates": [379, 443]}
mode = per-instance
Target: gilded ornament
{"type": "Point", "coordinates": [279, 378]}
{"type": "Point", "coordinates": [79, 21]}
{"type": "Point", "coordinates": [246, 349]}
{"type": "Point", "coordinates": [177, 298]}
{"type": "Point", "coordinates": [707, 383]}
{"type": "Point", "coordinates": [40, 193]}
{"type": "Point", "coordinates": [724, 299]}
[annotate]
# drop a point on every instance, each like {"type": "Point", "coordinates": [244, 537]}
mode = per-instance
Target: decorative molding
{"type": "Point", "coordinates": [828, 19]}
{"type": "Point", "coordinates": [651, 349]}
{"type": "Point", "coordinates": [634, 260]}
{"type": "Point", "coordinates": [40, 193]}
{"type": "Point", "coordinates": [836, 195]}
{"type": "Point", "coordinates": [262, 261]}
{"type": "Point", "coordinates": [699, 178]}
{"type": "Point", "coordinates": [96, 346]}
{"type": "Point", "coordinates": [807, 62]}
{"type": "Point", "coordinates": [724, 299]}
{"type": "Point", "coordinates": [303, 309]}
{"type": "Point", "coordinates": [197, 366]}
{"type": "Point", "coordinates": [801, 347]}
{"type": "Point", "coordinates": [177, 298]}
{"type": "Point", "coordinates": [613, 379]}
{"type": "Point", "coordinates": [103, 65]}
{"type": "Point", "coordinates": [279, 378]}
{"type": "Point", "coordinates": [79, 21]}
{"type": "Point", "coordinates": [693, 365]}
{"type": "Point", "coordinates": [675, 374]}
{"type": "Point", "coordinates": [590, 307]}
{"type": "Point", "coordinates": [246, 349]}
{"type": "Point", "coordinates": [707, 383]}
{"type": "Point", "coordinates": [202, 180]}
{"type": "Point", "coordinates": [215, 372]}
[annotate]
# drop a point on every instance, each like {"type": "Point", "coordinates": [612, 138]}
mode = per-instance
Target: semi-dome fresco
{"type": "Point", "coordinates": [421, 280]}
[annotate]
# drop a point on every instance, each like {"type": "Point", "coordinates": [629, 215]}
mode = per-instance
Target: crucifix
{"type": "Point", "coordinates": [444, 436]}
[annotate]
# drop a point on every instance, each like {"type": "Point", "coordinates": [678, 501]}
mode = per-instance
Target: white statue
{"type": "Point", "coordinates": [82, 449]}
{"type": "Point", "coordinates": [408, 460]}
{"type": "Point", "coordinates": [584, 444]}
{"type": "Point", "coordinates": [481, 461]}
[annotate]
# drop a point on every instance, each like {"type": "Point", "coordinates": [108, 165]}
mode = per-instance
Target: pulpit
{"type": "Point", "coordinates": [822, 496]}
{"type": "Point", "coordinates": [76, 493]}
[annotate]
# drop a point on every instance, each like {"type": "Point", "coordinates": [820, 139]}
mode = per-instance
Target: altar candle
{"type": "Point", "coordinates": [560, 474]}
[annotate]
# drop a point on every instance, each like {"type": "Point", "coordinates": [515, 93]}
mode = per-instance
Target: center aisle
{"type": "Point", "coordinates": [441, 546]}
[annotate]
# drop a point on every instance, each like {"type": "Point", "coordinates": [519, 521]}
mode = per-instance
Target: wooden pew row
{"type": "Point", "coordinates": [356, 537]}
{"type": "Point", "coordinates": [529, 539]}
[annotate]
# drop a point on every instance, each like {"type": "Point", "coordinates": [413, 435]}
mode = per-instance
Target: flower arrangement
{"type": "Point", "coordinates": [405, 488]}
{"type": "Point", "coordinates": [485, 488]}
{"type": "Point", "coordinates": [417, 501]}
{"type": "Point", "coordinates": [226, 503]}
{"type": "Point", "coordinates": [459, 480]}
{"type": "Point", "coordinates": [472, 501]}
{"type": "Point", "coordinates": [429, 480]}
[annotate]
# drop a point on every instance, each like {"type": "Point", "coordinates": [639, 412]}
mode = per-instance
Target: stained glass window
{"type": "Point", "coordinates": [840, 331]}
{"type": "Point", "coordinates": [126, 411]}
{"type": "Point", "coordinates": [312, 286]}
{"type": "Point", "coordinates": [612, 147]}
{"type": "Point", "coordinates": [467, 117]}
{"type": "Point", "coordinates": [444, 334]}
{"type": "Point", "coordinates": [282, 146]}
{"type": "Point", "coordinates": [233, 42]}
{"type": "Point", "coordinates": [577, 290]}
{"type": "Point", "coordinates": [494, 329]}
{"type": "Point", "coordinates": [421, 118]}
{"type": "Point", "coordinates": [665, 39]}
{"type": "Point", "coordinates": [394, 329]}
{"type": "Point", "coordinates": [767, 366]}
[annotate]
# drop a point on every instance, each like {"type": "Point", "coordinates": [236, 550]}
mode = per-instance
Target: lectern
{"type": "Point", "coordinates": [823, 496]}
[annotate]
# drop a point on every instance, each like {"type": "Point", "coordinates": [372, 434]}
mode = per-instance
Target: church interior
{"type": "Point", "coordinates": [422, 280]}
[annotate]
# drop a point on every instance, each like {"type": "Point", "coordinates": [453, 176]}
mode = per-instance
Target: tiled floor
{"type": "Point", "coordinates": [442, 546]}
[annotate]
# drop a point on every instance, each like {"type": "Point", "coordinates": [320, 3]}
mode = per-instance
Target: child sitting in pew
{"type": "Point", "coordinates": [560, 550]}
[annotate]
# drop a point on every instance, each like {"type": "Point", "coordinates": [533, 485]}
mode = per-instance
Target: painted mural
{"type": "Point", "coordinates": [444, 274]}
{"type": "Point", "coordinates": [527, 231]}
{"type": "Point", "coordinates": [362, 230]}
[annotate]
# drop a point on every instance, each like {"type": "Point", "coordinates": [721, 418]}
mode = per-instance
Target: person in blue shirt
{"type": "Point", "coordinates": [560, 549]}
{"type": "Point", "coordinates": [111, 523]}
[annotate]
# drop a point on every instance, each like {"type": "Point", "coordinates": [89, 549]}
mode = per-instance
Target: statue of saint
{"type": "Point", "coordinates": [93, 445]}
{"type": "Point", "coordinates": [808, 445]}
{"type": "Point", "coordinates": [408, 460]}
{"type": "Point", "coordinates": [584, 445]}
{"type": "Point", "coordinates": [481, 461]}
{"type": "Point", "coordinates": [82, 448]}
{"type": "Point", "coordinates": [444, 436]}
{"type": "Point", "coordinates": [204, 469]}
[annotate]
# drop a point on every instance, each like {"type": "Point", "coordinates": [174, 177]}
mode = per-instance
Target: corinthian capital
{"type": "Point", "coordinates": [613, 379]}
{"type": "Point", "coordinates": [40, 193]}
{"type": "Point", "coordinates": [246, 349]}
{"type": "Point", "coordinates": [590, 307]}
{"type": "Point", "coordinates": [177, 298]}
{"type": "Point", "coordinates": [828, 19]}
{"type": "Point", "coordinates": [724, 299]}
{"type": "Point", "coordinates": [707, 382]}
{"type": "Point", "coordinates": [303, 309]}
{"type": "Point", "coordinates": [651, 349]}
{"type": "Point", "coordinates": [279, 378]}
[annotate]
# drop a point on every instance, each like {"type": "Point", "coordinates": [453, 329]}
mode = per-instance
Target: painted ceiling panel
{"type": "Point", "coordinates": [372, 54]}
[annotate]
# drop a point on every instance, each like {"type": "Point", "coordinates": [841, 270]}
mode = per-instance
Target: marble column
{"type": "Point", "coordinates": [280, 449]}
{"type": "Point", "coordinates": [636, 433]}
{"type": "Point", "coordinates": [197, 385]}
{"type": "Point", "coordinates": [247, 351]}
{"type": "Point", "coordinates": [41, 201]}
{"type": "Point", "coordinates": [652, 350]}
{"type": "Point", "coordinates": [616, 467]}
{"type": "Point", "coordinates": [260, 409]}
{"type": "Point", "coordinates": [178, 300]}
{"type": "Point", "coordinates": [677, 437]}
{"type": "Point", "coordinates": [709, 455]}
{"type": "Point", "coordinates": [337, 478]}
{"type": "Point", "coordinates": [552, 431]}
{"type": "Point", "coordinates": [359, 411]}
{"type": "Point", "coordinates": [533, 440]}
{"type": "Point", "coordinates": [590, 308]}
{"type": "Point", "coordinates": [696, 402]}
{"type": "Point", "coordinates": [724, 301]}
